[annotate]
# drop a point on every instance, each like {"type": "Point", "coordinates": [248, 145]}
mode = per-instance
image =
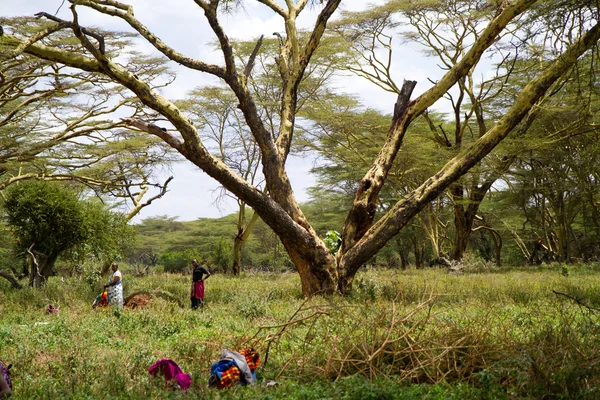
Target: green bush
{"type": "Point", "coordinates": [177, 261]}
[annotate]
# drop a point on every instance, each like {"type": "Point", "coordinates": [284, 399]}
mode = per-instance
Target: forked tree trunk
{"type": "Point", "coordinates": [41, 268]}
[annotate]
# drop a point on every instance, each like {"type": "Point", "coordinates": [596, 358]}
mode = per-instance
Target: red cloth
{"type": "Point", "coordinates": [229, 377]}
{"type": "Point", "coordinates": [252, 358]}
{"type": "Point", "coordinates": [198, 290]}
{"type": "Point", "coordinates": [171, 370]}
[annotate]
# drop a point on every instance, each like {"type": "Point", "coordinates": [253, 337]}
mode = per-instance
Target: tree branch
{"type": "Point", "coordinates": [210, 11]}
{"type": "Point", "coordinates": [275, 7]}
{"type": "Point", "coordinates": [156, 131]}
{"type": "Point", "coordinates": [52, 54]}
{"type": "Point", "coordinates": [138, 206]}
{"type": "Point", "coordinates": [63, 23]}
{"type": "Point", "coordinates": [391, 223]}
{"type": "Point", "coordinates": [252, 58]}
{"type": "Point", "coordinates": [169, 52]}
{"type": "Point", "coordinates": [317, 33]}
{"type": "Point", "coordinates": [362, 213]}
{"type": "Point", "coordinates": [13, 281]}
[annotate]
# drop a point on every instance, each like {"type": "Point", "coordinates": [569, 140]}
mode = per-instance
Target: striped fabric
{"type": "Point", "coordinates": [229, 377]}
{"type": "Point", "coordinates": [252, 358]}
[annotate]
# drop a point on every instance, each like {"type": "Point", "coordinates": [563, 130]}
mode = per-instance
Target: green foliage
{"type": "Point", "coordinates": [47, 215]}
{"type": "Point", "coordinates": [332, 240]}
{"type": "Point", "coordinates": [56, 222]}
{"type": "Point", "coordinates": [176, 261]}
{"type": "Point", "coordinates": [220, 257]}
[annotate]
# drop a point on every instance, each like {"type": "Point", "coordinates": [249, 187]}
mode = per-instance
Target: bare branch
{"type": "Point", "coordinates": [210, 11]}
{"type": "Point", "coordinates": [251, 59]}
{"type": "Point", "coordinates": [63, 23]}
{"type": "Point", "coordinates": [317, 33]}
{"type": "Point", "coordinates": [138, 206]}
{"type": "Point", "coordinates": [149, 36]}
{"type": "Point", "coordinates": [155, 130]}
{"type": "Point", "coordinates": [275, 7]}
{"type": "Point", "coordinates": [52, 54]}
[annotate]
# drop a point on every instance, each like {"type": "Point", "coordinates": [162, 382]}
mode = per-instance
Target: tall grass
{"type": "Point", "coordinates": [416, 332]}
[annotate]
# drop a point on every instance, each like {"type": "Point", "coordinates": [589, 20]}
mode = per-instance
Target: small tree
{"type": "Point", "coordinates": [50, 220]}
{"type": "Point", "coordinates": [221, 254]}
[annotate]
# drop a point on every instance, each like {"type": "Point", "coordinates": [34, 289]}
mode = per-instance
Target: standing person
{"type": "Point", "coordinates": [115, 287]}
{"type": "Point", "coordinates": [5, 382]}
{"type": "Point", "coordinates": [198, 279]}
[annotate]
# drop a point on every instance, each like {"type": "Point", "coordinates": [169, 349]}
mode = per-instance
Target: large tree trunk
{"type": "Point", "coordinates": [317, 268]}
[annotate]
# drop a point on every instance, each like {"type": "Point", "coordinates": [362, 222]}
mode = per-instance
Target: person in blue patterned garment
{"type": "Point", "coordinates": [114, 287]}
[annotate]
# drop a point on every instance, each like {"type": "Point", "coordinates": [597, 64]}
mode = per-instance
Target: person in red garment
{"type": "Point", "coordinates": [199, 275]}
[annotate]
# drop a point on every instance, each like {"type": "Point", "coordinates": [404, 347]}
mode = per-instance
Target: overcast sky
{"type": "Point", "coordinates": [181, 24]}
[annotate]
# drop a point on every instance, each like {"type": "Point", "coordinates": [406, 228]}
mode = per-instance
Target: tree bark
{"type": "Point", "coordinates": [41, 268]}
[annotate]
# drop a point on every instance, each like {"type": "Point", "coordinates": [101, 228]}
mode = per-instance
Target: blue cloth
{"type": "Point", "coordinates": [218, 367]}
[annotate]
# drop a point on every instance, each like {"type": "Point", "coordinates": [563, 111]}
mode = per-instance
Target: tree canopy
{"type": "Point", "coordinates": [50, 220]}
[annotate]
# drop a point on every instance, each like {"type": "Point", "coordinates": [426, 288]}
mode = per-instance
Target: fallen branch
{"type": "Point", "coordinates": [13, 281]}
{"type": "Point", "coordinates": [577, 301]}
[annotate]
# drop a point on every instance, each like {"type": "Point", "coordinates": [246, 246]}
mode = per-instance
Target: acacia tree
{"type": "Point", "coordinates": [57, 123]}
{"type": "Point", "coordinates": [445, 29]}
{"type": "Point", "coordinates": [320, 271]}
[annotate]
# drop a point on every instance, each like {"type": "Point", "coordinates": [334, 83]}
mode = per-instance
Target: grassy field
{"type": "Point", "coordinates": [400, 335]}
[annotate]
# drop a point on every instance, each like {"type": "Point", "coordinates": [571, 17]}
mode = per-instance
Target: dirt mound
{"type": "Point", "coordinates": [142, 298]}
{"type": "Point", "coordinates": [137, 301]}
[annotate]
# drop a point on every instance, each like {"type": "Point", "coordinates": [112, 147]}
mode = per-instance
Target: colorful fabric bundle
{"type": "Point", "coordinates": [252, 358]}
{"type": "Point", "coordinates": [234, 367]}
{"type": "Point", "coordinates": [101, 300]}
{"type": "Point", "coordinates": [223, 374]}
{"type": "Point", "coordinates": [171, 371]}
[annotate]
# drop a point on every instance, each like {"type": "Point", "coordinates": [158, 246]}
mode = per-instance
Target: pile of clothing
{"type": "Point", "coordinates": [172, 373]}
{"type": "Point", "coordinates": [234, 367]}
